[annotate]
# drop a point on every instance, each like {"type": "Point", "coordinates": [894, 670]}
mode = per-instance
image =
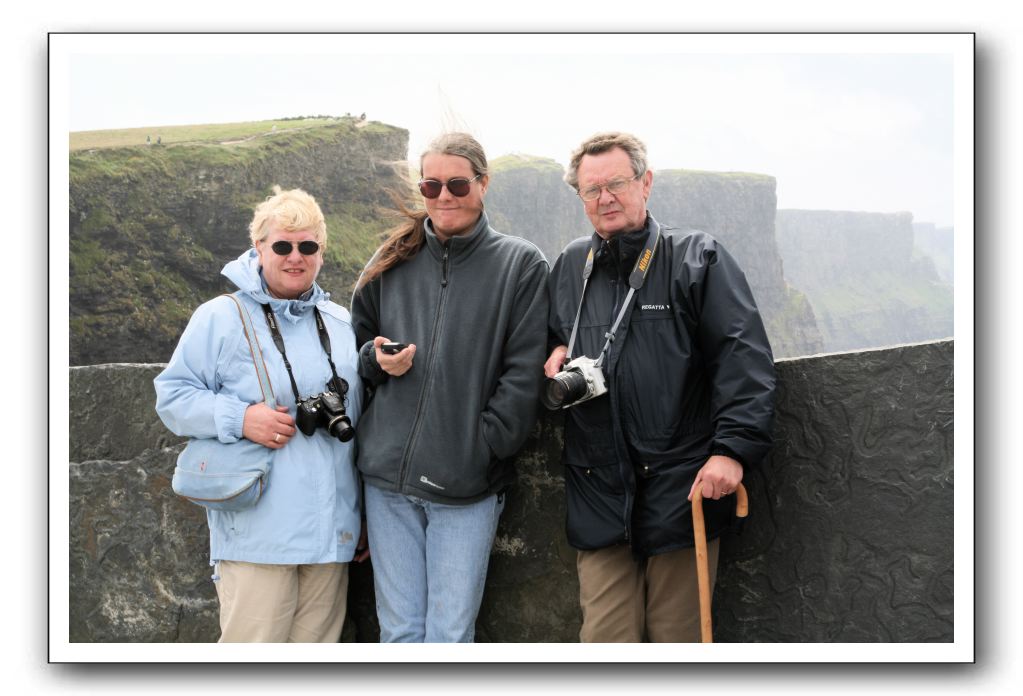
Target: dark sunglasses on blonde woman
{"type": "Point", "coordinates": [459, 186]}
{"type": "Point", "coordinates": [306, 248]}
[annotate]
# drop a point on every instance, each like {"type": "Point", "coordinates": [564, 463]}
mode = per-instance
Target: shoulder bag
{"type": "Point", "coordinates": [227, 476]}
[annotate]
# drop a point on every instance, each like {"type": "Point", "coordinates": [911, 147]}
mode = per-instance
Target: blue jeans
{"type": "Point", "coordinates": [429, 565]}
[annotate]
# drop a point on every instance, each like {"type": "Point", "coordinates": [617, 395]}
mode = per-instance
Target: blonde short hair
{"type": "Point", "coordinates": [290, 211]}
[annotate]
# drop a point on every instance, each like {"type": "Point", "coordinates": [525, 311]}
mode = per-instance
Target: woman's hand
{"type": "Point", "coordinates": [395, 365]}
{"type": "Point", "coordinates": [269, 427]}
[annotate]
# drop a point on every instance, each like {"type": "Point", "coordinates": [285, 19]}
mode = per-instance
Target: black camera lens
{"type": "Point", "coordinates": [341, 428]}
{"type": "Point", "coordinates": [563, 389]}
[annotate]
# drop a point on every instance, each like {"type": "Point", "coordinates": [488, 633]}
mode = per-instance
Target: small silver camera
{"type": "Point", "coordinates": [579, 380]}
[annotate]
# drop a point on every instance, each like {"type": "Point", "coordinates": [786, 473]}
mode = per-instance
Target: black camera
{"type": "Point", "coordinates": [326, 409]}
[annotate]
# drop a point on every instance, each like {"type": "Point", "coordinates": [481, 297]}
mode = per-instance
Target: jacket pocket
{"type": "Point", "coordinates": [229, 525]}
{"type": "Point", "coordinates": [594, 489]}
{"type": "Point", "coordinates": [595, 506]}
{"type": "Point", "coordinates": [453, 467]}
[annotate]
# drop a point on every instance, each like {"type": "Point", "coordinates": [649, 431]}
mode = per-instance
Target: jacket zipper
{"type": "Point", "coordinates": [418, 422]}
{"type": "Point", "coordinates": [612, 379]}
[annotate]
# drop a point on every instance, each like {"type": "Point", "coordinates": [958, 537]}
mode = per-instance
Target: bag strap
{"type": "Point", "coordinates": [257, 355]}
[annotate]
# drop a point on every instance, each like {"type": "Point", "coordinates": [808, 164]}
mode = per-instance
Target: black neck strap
{"type": "Point", "coordinates": [321, 329]}
{"type": "Point", "coordinates": [636, 280]}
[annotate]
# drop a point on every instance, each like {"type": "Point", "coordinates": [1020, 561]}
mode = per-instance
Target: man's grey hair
{"type": "Point", "coordinates": [603, 142]}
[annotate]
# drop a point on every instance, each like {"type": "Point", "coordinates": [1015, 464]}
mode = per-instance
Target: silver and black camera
{"type": "Point", "coordinates": [580, 380]}
{"type": "Point", "coordinates": [326, 409]}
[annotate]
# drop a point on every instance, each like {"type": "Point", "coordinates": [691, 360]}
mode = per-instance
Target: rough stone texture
{"type": "Point", "coordinates": [851, 534]}
{"type": "Point", "coordinates": [868, 286]}
{"type": "Point", "coordinates": [139, 555]}
{"type": "Point", "coordinates": [113, 413]}
{"type": "Point", "coordinates": [849, 537]}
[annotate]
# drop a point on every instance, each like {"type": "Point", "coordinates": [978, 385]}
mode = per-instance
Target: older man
{"type": "Point", "coordinates": [670, 321]}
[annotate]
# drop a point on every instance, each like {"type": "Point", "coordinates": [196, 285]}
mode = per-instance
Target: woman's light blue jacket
{"type": "Point", "coordinates": [310, 510]}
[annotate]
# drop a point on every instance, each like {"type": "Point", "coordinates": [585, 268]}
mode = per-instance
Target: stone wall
{"type": "Point", "coordinates": [849, 537]}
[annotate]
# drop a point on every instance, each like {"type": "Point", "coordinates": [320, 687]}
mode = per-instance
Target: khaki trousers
{"type": "Point", "coordinates": [656, 600]}
{"type": "Point", "coordinates": [264, 603]}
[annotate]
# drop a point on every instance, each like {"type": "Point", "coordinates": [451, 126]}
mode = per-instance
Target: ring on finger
{"type": "Point", "coordinates": [277, 437]}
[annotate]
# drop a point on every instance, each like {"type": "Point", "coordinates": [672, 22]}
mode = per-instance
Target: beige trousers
{"type": "Point", "coordinates": [657, 600]}
{"type": "Point", "coordinates": [264, 603]}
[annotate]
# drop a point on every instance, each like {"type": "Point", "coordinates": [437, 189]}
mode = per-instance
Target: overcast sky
{"type": "Point", "coordinates": [852, 130]}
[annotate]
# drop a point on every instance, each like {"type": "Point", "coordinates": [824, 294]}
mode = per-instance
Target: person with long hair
{"type": "Point", "coordinates": [450, 316]}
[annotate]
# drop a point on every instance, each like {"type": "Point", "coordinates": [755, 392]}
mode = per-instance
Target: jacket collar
{"type": "Point", "coordinates": [246, 273]}
{"type": "Point", "coordinates": [459, 245]}
{"type": "Point", "coordinates": [619, 253]}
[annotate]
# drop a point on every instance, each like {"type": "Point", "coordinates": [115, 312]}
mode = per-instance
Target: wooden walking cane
{"type": "Point", "coordinates": [702, 570]}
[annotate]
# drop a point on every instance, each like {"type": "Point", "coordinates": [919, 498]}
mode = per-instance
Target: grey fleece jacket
{"type": "Point", "coordinates": [476, 309]}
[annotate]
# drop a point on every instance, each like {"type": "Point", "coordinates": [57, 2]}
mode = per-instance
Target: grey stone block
{"type": "Point", "coordinates": [111, 412]}
{"type": "Point", "coordinates": [138, 555]}
{"type": "Point", "coordinates": [849, 537]}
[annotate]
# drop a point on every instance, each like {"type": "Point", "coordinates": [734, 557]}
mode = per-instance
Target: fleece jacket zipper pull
{"type": "Point", "coordinates": [444, 267]}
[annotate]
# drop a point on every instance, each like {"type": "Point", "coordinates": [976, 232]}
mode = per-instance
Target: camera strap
{"type": "Point", "coordinates": [321, 329]}
{"type": "Point", "coordinates": [636, 280]}
{"type": "Point", "coordinates": [587, 270]}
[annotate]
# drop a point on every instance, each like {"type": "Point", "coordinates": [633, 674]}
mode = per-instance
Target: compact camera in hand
{"type": "Point", "coordinates": [579, 380]}
{"type": "Point", "coordinates": [326, 409]}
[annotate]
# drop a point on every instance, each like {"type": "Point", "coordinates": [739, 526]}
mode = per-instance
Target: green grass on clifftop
{"type": "Point", "coordinates": [517, 161]}
{"type": "Point", "coordinates": [219, 133]}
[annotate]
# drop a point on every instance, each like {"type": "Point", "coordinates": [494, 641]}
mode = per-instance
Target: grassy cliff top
{"type": "Point", "coordinates": [520, 161]}
{"type": "Point", "coordinates": [244, 133]}
{"type": "Point", "coordinates": [680, 174]}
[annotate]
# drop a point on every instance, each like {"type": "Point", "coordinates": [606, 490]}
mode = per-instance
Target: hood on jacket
{"type": "Point", "coordinates": [247, 275]}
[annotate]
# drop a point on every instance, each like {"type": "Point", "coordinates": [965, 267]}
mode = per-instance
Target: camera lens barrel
{"type": "Point", "coordinates": [564, 389]}
{"type": "Point", "coordinates": [341, 428]}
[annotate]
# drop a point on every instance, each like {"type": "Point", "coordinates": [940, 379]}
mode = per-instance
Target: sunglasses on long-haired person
{"type": "Point", "coordinates": [306, 248]}
{"type": "Point", "coordinates": [459, 186]}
